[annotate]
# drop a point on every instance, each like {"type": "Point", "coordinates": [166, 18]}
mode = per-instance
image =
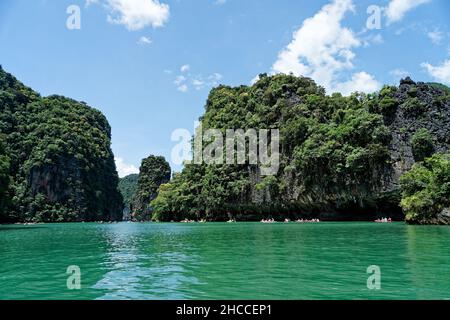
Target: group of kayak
{"type": "Point", "coordinates": [384, 220]}
{"type": "Point", "coordinates": [307, 221]}
{"type": "Point", "coordinates": [288, 220]}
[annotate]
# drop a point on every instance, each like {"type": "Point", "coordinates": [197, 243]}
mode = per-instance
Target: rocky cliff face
{"type": "Point", "coordinates": [61, 164]}
{"type": "Point", "coordinates": [421, 107]}
{"type": "Point", "coordinates": [340, 157]}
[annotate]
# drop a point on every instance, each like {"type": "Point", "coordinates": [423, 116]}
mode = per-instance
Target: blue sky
{"type": "Point", "coordinates": [148, 65]}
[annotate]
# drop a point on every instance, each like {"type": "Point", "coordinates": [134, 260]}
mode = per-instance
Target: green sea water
{"type": "Point", "coordinates": [225, 261]}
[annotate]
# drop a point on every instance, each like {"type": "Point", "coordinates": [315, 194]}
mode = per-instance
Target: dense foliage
{"type": "Point", "coordinates": [334, 152]}
{"type": "Point", "coordinates": [154, 171]}
{"type": "Point", "coordinates": [422, 144]}
{"type": "Point", "coordinates": [128, 187]}
{"type": "Point", "coordinates": [61, 164]}
{"type": "Point", "coordinates": [340, 156]}
{"type": "Point", "coordinates": [4, 176]}
{"type": "Point", "coordinates": [426, 191]}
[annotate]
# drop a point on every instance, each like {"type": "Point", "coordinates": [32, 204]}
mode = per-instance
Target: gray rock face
{"type": "Point", "coordinates": [52, 180]}
{"type": "Point", "coordinates": [427, 112]}
{"type": "Point", "coordinates": [443, 218]}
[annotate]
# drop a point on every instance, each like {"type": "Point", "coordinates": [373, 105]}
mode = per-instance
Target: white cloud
{"type": "Point", "coordinates": [179, 80]}
{"type": "Point", "coordinates": [183, 88]}
{"type": "Point", "coordinates": [361, 82]}
{"type": "Point", "coordinates": [198, 84]}
{"type": "Point", "coordinates": [138, 14]}
{"type": "Point", "coordinates": [398, 74]}
{"type": "Point", "coordinates": [214, 79]}
{"type": "Point", "coordinates": [184, 80]}
{"type": "Point", "coordinates": [220, 2]}
{"type": "Point", "coordinates": [396, 9]}
{"type": "Point", "coordinates": [435, 36]}
{"type": "Point", "coordinates": [322, 50]}
{"type": "Point", "coordinates": [254, 80]}
{"type": "Point", "coordinates": [373, 39]}
{"type": "Point", "coordinates": [144, 40]}
{"type": "Point", "coordinates": [125, 169]}
{"type": "Point", "coordinates": [185, 68]}
{"type": "Point", "coordinates": [439, 73]}
{"type": "Point", "coordinates": [89, 2]}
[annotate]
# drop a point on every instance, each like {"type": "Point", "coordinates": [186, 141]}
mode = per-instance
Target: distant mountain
{"type": "Point", "coordinates": [128, 186]}
{"type": "Point", "coordinates": [57, 156]}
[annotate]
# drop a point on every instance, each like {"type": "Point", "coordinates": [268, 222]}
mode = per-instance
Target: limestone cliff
{"type": "Point", "coordinates": [61, 164]}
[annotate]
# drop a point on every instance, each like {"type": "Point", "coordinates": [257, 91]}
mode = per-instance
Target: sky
{"type": "Point", "coordinates": [149, 65]}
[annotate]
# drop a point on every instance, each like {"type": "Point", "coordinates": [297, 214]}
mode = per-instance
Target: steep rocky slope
{"type": "Point", "coordinates": [154, 171]}
{"type": "Point", "coordinates": [61, 164]}
{"type": "Point", "coordinates": [341, 157]}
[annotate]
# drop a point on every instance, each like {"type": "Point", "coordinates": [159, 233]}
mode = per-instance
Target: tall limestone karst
{"type": "Point", "coordinates": [341, 158]}
{"type": "Point", "coordinates": [61, 167]}
{"type": "Point", "coordinates": [154, 171]}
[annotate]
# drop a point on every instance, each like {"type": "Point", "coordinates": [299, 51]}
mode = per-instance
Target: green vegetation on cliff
{"type": "Point", "coordinates": [153, 172]}
{"type": "Point", "coordinates": [333, 155]}
{"type": "Point", "coordinates": [422, 144]}
{"type": "Point", "coordinates": [128, 187]}
{"type": "Point", "coordinates": [339, 155]}
{"type": "Point", "coordinates": [426, 191]}
{"type": "Point", "coordinates": [4, 176]}
{"type": "Point", "coordinates": [61, 164]}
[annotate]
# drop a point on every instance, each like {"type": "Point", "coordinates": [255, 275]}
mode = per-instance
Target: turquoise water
{"type": "Point", "coordinates": [225, 261]}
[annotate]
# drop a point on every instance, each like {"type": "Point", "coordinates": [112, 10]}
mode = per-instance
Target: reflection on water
{"type": "Point", "coordinates": [145, 267]}
{"type": "Point", "coordinates": [429, 256]}
{"type": "Point", "coordinates": [224, 261]}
